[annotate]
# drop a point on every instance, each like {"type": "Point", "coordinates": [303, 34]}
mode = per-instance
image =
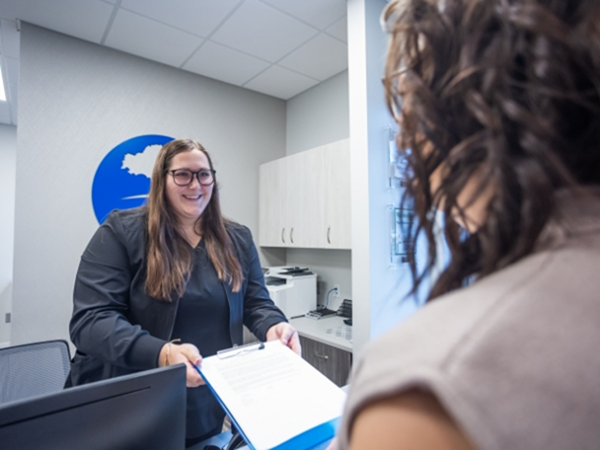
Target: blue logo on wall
{"type": "Point", "coordinates": [122, 180]}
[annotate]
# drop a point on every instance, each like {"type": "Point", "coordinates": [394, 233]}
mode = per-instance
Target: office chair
{"type": "Point", "coordinates": [33, 369]}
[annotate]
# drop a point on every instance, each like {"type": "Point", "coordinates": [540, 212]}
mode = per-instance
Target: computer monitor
{"type": "Point", "coordinates": [146, 410]}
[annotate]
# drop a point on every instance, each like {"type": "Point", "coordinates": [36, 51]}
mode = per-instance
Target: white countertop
{"type": "Point", "coordinates": [330, 330]}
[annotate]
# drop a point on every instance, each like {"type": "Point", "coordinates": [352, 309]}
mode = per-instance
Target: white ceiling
{"type": "Point", "coordinates": [276, 47]}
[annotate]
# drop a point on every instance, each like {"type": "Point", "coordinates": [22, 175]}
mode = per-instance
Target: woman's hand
{"type": "Point", "coordinates": [287, 334]}
{"type": "Point", "coordinates": [187, 354]}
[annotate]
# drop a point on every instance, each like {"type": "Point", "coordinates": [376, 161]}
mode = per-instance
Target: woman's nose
{"type": "Point", "coordinates": [195, 181]}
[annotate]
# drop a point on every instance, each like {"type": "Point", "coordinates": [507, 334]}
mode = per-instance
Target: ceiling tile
{"type": "Point", "coordinates": [12, 69]}
{"type": "Point", "coordinates": [321, 58]}
{"type": "Point", "coordinates": [149, 39]}
{"type": "Point", "coordinates": [5, 116]}
{"type": "Point", "coordinates": [84, 19]}
{"type": "Point", "coordinates": [264, 32]}
{"type": "Point", "coordinates": [318, 13]}
{"type": "Point", "coordinates": [11, 38]}
{"type": "Point", "coordinates": [199, 17]}
{"type": "Point", "coordinates": [339, 30]}
{"type": "Point", "coordinates": [280, 82]}
{"type": "Point", "coordinates": [222, 63]}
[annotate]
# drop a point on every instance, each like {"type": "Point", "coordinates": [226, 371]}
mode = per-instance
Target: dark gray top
{"type": "Point", "coordinates": [206, 302]}
{"type": "Point", "coordinates": [514, 357]}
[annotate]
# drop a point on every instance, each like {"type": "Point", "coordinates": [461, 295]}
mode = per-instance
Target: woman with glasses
{"type": "Point", "coordinates": [499, 102]}
{"type": "Point", "coordinates": [171, 282]}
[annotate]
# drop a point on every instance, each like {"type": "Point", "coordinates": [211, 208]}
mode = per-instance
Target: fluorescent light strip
{"type": "Point", "coordinates": [2, 93]}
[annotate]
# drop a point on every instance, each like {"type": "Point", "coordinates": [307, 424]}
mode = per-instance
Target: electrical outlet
{"type": "Point", "coordinates": [7, 318]}
{"type": "Point", "coordinates": [336, 292]}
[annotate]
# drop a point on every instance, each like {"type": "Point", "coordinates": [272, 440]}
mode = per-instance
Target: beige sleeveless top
{"type": "Point", "coordinates": [514, 358]}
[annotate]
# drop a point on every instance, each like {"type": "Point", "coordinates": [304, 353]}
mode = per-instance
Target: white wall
{"type": "Point", "coordinates": [378, 288]}
{"type": "Point", "coordinates": [77, 101]}
{"type": "Point", "coordinates": [8, 161]}
{"type": "Point", "coordinates": [317, 117]}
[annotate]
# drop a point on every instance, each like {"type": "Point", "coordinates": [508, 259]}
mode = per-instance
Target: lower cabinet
{"type": "Point", "coordinates": [332, 362]}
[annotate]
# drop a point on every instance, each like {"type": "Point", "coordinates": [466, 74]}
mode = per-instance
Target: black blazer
{"type": "Point", "coordinates": [119, 329]}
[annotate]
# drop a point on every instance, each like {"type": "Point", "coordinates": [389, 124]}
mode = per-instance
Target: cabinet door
{"type": "Point", "coordinates": [332, 362]}
{"type": "Point", "coordinates": [336, 227]}
{"type": "Point", "coordinates": [304, 198]}
{"type": "Point", "coordinates": [272, 204]}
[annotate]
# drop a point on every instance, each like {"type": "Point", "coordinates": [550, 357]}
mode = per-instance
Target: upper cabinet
{"type": "Point", "coordinates": [304, 199]}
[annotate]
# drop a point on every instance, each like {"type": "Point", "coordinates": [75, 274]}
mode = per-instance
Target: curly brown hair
{"type": "Point", "coordinates": [508, 90]}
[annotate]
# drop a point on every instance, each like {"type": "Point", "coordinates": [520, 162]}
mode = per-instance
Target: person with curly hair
{"type": "Point", "coordinates": [499, 103]}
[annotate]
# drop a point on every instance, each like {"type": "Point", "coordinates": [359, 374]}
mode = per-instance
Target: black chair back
{"type": "Point", "coordinates": [33, 369]}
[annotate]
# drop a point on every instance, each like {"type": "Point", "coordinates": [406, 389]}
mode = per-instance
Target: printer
{"type": "Point", "coordinates": [293, 289]}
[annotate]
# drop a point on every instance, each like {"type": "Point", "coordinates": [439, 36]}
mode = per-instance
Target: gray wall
{"type": "Point", "coordinates": [8, 161]}
{"type": "Point", "coordinates": [317, 117]}
{"type": "Point", "coordinates": [77, 101]}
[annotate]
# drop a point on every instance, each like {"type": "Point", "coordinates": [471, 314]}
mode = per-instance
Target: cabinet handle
{"type": "Point", "coordinates": [292, 235]}
{"type": "Point", "coordinates": [328, 235]}
{"type": "Point", "coordinates": [318, 355]}
{"type": "Point", "coordinates": [282, 236]}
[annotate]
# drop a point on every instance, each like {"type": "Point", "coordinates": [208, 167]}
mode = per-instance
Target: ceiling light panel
{"type": "Point", "coordinates": [14, 102]}
{"type": "Point", "coordinates": [262, 31]}
{"type": "Point", "coordinates": [2, 91]}
{"type": "Point", "coordinates": [199, 17]}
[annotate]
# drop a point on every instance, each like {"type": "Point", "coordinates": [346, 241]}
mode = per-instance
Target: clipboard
{"type": "Point", "coordinates": [275, 399]}
{"type": "Point", "coordinates": [239, 350]}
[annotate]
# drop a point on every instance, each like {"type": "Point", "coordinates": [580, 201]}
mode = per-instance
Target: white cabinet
{"type": "Point", "coordinates": [304, 199]}
{"type": "Point", "coordinates": [272, 204]}
{"type": "Point", "coordinates": [336, 186]}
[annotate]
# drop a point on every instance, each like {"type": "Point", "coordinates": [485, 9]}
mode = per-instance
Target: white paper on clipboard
{"type": "Point", "coordinates": [274, 396]}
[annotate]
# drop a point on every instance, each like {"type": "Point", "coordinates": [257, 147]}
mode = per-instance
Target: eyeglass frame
{"type": "Point", "coordinates": [194, 174]}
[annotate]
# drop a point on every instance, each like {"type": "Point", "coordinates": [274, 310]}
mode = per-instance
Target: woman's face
{"type": "Point", "coordinates": [188, 202]}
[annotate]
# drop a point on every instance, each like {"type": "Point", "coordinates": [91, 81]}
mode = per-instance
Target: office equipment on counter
{"type": "Point", "coordinates": [143, 410]}
{"type": "Point", "coordinates": [320, 313]}
{"type": "Point", "coordinates": [253, 385]}
{"type": "Point", "coordinates": [345, 309]}
{"type": "Point", "coordinates": [292, 289]}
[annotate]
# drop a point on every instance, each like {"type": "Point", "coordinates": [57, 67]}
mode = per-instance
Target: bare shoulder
{"type": "Point", "coordinates": [413, 419]}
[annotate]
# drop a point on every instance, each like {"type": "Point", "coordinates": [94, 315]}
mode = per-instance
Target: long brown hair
{"type": "Point", "coordinates": [509, 89]}
{"type": "Point", "coordinates": [169, 256]}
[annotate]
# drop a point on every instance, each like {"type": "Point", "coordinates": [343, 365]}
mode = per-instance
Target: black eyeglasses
{"type": "Point", "coordinates": [183, 177]}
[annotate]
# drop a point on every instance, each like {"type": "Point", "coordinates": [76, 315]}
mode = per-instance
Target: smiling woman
{"type": "Point", "coordinates": [173, 271]}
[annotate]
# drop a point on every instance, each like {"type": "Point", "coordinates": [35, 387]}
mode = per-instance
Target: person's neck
{"type": "Point", "coordinates": [188, 231]}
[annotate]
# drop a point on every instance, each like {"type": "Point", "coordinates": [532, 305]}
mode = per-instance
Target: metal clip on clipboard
{"type": "Point", "coordinates": [240, 350]}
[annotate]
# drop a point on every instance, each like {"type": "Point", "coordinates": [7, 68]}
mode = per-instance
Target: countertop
{"type": "Point", "coordinates": [330, 330]}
